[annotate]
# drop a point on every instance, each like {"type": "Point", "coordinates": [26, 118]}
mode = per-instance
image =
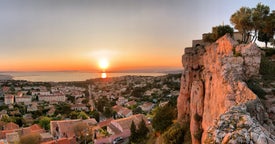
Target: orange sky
{"type": "Point", "coordinates": [132, 34]}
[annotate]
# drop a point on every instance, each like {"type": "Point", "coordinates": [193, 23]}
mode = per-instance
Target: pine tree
{"type": "Point", "coordinates": [134, 136]}
{"type": "Point", "coordinates": [142, 129]}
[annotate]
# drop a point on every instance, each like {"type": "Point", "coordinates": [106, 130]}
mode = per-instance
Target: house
{"type": "Point", "coordinates": [23, 99]}
{"type": "Point", "coordinates": [147, 106]}
{"type": "Point", "coordinates": [79, 107]}
{"type": "Point", "coordinates": [65, 128]}
{"type": "Point", "coordinates": [51, 98]}
{"type": "Point", "coordinates": [46, 137]}
{"type": "Point", "coordinates": [130, 103]}
{"type": "Point", "coordinates": [121, 100]}
{"type": "Point", "coordinates": [9, 99]}
{"type": "Point", "coordinates": [32, 129]}
{"type": "Point", "coordinates": [12, 137]}
{"type": "Point", "coordinates": [122, 111]}
{"type": "Point", "coordinates": [121, 128]}
{"type": "Point", "coordinates": [32, 107]}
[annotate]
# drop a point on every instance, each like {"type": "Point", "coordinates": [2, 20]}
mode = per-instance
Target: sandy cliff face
{"type": "Point", "coordinates": [213, 82]}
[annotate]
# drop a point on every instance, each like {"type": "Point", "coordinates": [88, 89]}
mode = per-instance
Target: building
{"type": "Point", "coordinates": [121, 101]}
{"type": "Point", "coordinates": [50, 98]}
{"type": "Point", "coordinates": [122, 111]}
{"type": "Point", "coordinates": [9, 99]}
{"type": "Point", "coordinates": [12, 138]}
{"type": "Point", "coordinates": [121, 128]}
{"type": "Point", "coordinates": [65, 128]}
{"type": "Point", "coordinates": [147, 106]}
{"type": "Point", "coordinates": [79, 107]}
{"type": "Point", "coordinates": [23, 99]}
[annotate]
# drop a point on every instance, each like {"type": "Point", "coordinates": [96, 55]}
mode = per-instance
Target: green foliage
{"type": "Point", "coordinates": [208, 37]}
{"type": "Point", "coordinates": [85, 101]}
{"type": "Point", "coordinates": [6, 118]}
{"type": "Point", "coordinates": [94, 114]}
{"type": "Point", "coordinates": [175, 134]}
{"type": "Point", "coordinates": [269, 51]}
{"type": "Point", "coordinates": [254, 86]}
{"type": "Point", "coordinates": [134, 136]}
{"type": "Point", "coordinates": [82, 115]}
{"type": "Point", "coordinates": [142, 129]}
{"type": "Point", "coordinates": [267, 67]}
{"type": "Point", "coordinates": [256, 19]}
{"type": "Point", "coordinates": [44, 122]}
{"type": "Point", "coordinates": [70, 98]}
{"type": "Point", "coordinates": [63, 108]}
{"type": "Point", "coordinates": [137, 110]}
{"type": "Point", "coordinates": [73, 115]}
{"type": "Point", "coordinates": [163, 118]}
{"type": "Point", "coordinates": [217, 32]}
{"type": "Point", "coordinates": [140, 134]}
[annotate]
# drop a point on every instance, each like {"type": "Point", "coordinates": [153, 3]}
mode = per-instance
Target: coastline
{"type": "Point", "coordinates": [5, 77]}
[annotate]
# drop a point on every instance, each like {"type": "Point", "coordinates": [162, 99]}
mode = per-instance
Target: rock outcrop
{"type": "Point", "coordinates": [213, 82]}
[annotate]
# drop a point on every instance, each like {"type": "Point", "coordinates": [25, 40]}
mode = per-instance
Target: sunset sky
{"type": "Point", "coordinates": [52, 35]}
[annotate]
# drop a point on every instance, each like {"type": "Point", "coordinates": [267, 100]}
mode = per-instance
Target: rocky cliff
{"type": "Point", "coordinates": [214, 97]}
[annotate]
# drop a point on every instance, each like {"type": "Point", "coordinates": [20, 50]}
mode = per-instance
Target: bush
{"type": "Point", "coordinates": [254, 86]}
{"type": "Point", "coordinates": [267, 67]}
{"type": "Point", "coordinates": [177, 134]}
{"type": "Point", "coordinates": [163, 118]}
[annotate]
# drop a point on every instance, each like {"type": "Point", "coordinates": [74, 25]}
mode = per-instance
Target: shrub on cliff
{"type": "Point", "coordinates": [177, 134]}
{"type": "Point", "coordinates": [164, 118]}
{"type": "Point", "coordinates": [267, 67]}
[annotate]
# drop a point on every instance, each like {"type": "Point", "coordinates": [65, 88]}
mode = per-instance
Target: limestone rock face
{"type": "Point", "coordinates": [213, 81]}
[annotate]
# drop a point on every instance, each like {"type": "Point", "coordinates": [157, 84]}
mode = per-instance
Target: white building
{"type": "Point", "coordinates": [9, 99]}
{"type": "Point", "coordinates": [50, 98]}
{"type": "Point", "coordinates": [23, 99]}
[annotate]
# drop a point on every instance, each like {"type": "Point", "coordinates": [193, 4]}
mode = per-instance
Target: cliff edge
{"type": "Point", "coordinates": [214, 97]}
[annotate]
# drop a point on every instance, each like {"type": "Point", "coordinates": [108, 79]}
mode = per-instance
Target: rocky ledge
{"type": "Point", "coordinates": [213, 88]}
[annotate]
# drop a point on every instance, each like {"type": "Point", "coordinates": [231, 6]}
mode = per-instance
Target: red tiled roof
{"type": "Point", "coordinates": [11, 126]}
{"type": "Point", "coordinates": [105, 123]}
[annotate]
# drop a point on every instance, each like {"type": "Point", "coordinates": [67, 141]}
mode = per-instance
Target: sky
{"type": "Point", "coordinates": [57, 35]}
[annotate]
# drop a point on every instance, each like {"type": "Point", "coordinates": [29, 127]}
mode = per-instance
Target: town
{"type": "Point", "coordinates": [92, 111]}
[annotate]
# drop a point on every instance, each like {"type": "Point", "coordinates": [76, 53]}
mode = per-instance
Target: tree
{"type": "Point", "coordinates": [174, 135]}
{"type": "Point", "coordinates": [264, 37]}
{"type": "Point", "coordinates": [242, 22]}
{"type": "Point", "coordinates": [73, 115]}
{"type": "Point", "coordinates": [163, 118]}
{"type": "Point", "coordinates": [30, 139]}
{"type": "Point", "coordinates": [94, 114]}
{"type": "Point", "coordinates": [259, 15]}
{"type": "Point", "coordinates": [82, 115]}
{"type": "Point", "coordinates": [267, 32]}
{"type": "Point", "coordinates": [134, 135]}
{"type": "Point", "coordinates": [44, 122]}
{"type": "Point", "coordinates": [142, 129]}
{"type": "Point", "coordinates": [217, 32]}
{"type": "Point", "coordinates": [63, 108]}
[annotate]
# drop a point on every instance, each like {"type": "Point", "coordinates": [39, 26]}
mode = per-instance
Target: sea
{"type": "Point", "coordinates": [67, 76]}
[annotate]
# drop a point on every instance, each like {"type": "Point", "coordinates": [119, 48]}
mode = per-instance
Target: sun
{"type": "Point", "coordinates": [103, 64]}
